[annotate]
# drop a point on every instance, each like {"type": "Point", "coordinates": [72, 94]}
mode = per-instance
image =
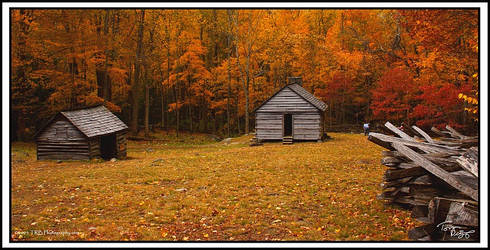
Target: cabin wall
{"type": "Point", "coordinates": [307, 126]}
{"type": "Point", "coordinates": [94, 145]}
{"type": "Point", "coordinates": [121, 142]}
{"type": "Point", "coordinates": [62, 141]}
{"type": "Point", "coordinates": [307, 119]}
{"type": "Point", "coordinates": [322, 124]}
{"type": "Point", "coordinates": [268, 126]}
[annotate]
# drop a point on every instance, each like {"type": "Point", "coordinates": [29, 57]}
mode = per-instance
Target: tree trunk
{"type": "Point", "coordinates": [147, 110]}
{"type": "Point", "coordinates": [330, 109]}
{"type": "Point", "coordinates": [19, 115]}
{"type": "Point", "coordinates": [214, 122]}
{"type": "Point", "coordinates": [177, 109]}
{"type": "Point", "coordinates": [162, 103]}
{"type": "Point", "coordinates": [229, 89]}
{"type": "Point", "coordinates": [101, 73]}
{"type": "Point", "coordinates": [175, 87]}
{"type": "Point", "coordinates": [190, 103]}
{"type": "Point", "coordinates": [237, 114]}
{"type": "Point", "coordinates": [163, 123]}
{"type": "Point", "coordinates": [106, 87]}
{"type": "Point", "coordinates": [136, 81]}
{"type": "Point", "coordinates": [72, 92]}
{"type": "Point", "coordinates": [191, 127]}
{"type": "Point", "coordinates": [246, 110]}
{"type": "Point", "coordinates": [166, 110]}
{"type": "Point", "coordinates": [205, 118]}
{"type": "Point", "coordinates": [246, 92]}
{"type": "Point", "coordinates": [246, 81]}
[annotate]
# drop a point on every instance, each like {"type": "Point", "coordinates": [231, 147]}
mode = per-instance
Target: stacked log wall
{"type": "Point", "coordinates": [62, 141]}
{"type": "Point", "coordinates": [121, 142]}
{"type": "Point", "coordinates": [94, 145]}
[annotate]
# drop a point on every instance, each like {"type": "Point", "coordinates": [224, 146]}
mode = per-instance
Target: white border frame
{"type": "Point", "coordinates": [483, 118]}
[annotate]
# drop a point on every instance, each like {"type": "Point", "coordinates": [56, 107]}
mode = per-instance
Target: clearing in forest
{"type": "Point", "coordinates": [204, 190]}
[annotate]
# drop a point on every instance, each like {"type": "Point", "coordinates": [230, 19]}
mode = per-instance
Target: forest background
{"type": "Point", "coordinates": [206, 70]}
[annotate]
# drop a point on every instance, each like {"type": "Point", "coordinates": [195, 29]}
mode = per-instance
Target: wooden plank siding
{"type": "Point", "coordinates": [94, 145]}
{"type": "Point", "coordinates": [61, 140]}
{"type": "Point", "coordinates": [268, 126]}
{"type": "Point", "coordinates": [287, 101]}
{"type": "Point", "coordinates": [307, 126]}
{"type": "Point", "coordinates": [121, 141]}
{"type": "Point", "coordinates": [307, 119]}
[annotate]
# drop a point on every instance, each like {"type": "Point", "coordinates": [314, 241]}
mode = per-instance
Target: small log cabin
{"type": "Point", "coordinates": [291, 114]}
{"type": "Point", "coordinates": [82, 135]}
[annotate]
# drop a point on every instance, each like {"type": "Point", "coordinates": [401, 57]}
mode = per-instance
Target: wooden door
{"type": "Point", "coordinates": [287, 125]}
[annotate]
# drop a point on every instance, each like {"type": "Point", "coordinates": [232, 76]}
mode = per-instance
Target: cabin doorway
{"type": "Point", "coordinates": [108, 146]}
{"type": "Point", "coordinates": [288, 125]}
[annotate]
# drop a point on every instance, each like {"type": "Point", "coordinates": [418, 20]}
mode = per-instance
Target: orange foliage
{"type": "Point", "coordinates": [361, 62]}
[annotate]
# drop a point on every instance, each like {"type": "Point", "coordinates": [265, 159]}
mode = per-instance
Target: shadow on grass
{"type": "Point", "coordinates": [128, 158]}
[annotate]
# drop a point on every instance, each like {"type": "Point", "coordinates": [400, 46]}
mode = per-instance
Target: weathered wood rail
{"type": "Point", "coordinates": [435, 177]}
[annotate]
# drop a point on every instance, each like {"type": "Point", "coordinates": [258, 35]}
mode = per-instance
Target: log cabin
{"type": "Point", "coordinates": [82, 134]}
{"type": "Point", "coordinates": [291, 114]}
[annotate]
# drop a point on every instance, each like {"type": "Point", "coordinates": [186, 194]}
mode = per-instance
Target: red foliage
{"type": "Point", "coordinates": [438, 104]}
{"type": "Point", "coordinates": [339, 85]}
{"type": "Point", "coordinates": [393, 95]}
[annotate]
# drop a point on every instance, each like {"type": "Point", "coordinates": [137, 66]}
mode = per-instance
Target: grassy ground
{"type": "Point", "coordinates": [208, 191]}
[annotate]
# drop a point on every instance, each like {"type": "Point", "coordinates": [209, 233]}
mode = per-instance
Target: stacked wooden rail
{"type": "Point", "coordinates": [435, 177]}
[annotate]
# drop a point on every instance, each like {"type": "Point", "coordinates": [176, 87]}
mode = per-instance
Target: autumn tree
{"type": "Point", "coordinates": [393, 96]}
{"type": "Point", "coordinates": [207, 69]}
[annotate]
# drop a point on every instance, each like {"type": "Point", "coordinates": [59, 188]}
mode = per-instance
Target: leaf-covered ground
{"type": "Point", "coordinates": [215, 191]}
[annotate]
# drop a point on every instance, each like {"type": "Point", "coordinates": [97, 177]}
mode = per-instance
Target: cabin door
{"type": "Point", "coordinates": [108, 146]}
{"type": "Point", "coordinates": [288, 125]}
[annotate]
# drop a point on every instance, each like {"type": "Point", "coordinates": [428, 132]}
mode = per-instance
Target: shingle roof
{"type": "Point", "coordinates": [296, 88]}
{"type": "Point", "coordinates": [308, 96]}
{"type": "Point", "coordinates": [95, 121]}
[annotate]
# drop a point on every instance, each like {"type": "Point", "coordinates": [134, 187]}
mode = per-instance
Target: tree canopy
{"type": "Point", "coordinates": [207, 69]}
